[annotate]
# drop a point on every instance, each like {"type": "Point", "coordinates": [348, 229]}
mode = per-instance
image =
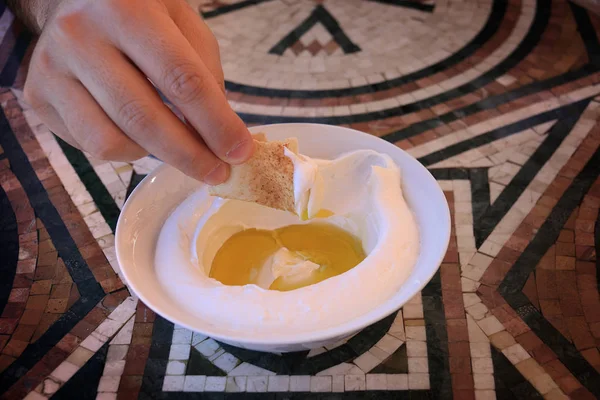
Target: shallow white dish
{"type": "Point", "coordinates": [165, 188]}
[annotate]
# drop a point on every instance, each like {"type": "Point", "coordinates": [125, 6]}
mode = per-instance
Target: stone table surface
{"type": "Point", "coordinates": [498, 98]}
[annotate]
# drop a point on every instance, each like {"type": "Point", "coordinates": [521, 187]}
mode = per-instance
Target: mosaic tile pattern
{"type": "Point", "coordinates": [499, 99]}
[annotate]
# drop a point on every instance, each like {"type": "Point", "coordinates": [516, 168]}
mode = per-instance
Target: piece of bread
{"type": "Point", "coordinates": [267, 178]}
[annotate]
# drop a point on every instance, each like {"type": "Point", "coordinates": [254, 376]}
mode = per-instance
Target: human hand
{"type": "Point", "coordinates": [89, 81]}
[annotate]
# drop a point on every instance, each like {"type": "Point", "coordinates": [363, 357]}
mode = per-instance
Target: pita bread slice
{"type": "Point", "coordinates": [267, 178]}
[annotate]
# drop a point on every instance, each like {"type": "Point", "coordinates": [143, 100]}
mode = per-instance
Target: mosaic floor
{"type": "Point", "coordinates": [500, 99]}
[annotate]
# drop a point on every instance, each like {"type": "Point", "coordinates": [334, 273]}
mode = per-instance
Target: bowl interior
{"type": "Point", "coordinates": [161, 191]}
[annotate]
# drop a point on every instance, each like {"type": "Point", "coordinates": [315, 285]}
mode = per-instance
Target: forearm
{"type": "Point", "coordinates": [33, 13]}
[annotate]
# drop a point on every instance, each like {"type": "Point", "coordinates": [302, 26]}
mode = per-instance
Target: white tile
{"type": "Point", "coordinates": [227, 362]}
{"type": "Point", "coordinates": [516, 353]}
{"type": "Point", "coordinates": [33, 395]}
{"type": "Point", "coordinates": [194, 383]}
{"type": "Point", "coordinates": [173, 384]}
{"type": "Point", "coordinates": [50, 387]}
{"type": "Point", "coordinates": [299, 383]}
{"type": "Point", "coordinates": [476, 335]}
{"type": "Point", "coordinates": [490, 325]}
{"type": "Point", "coordinates": [109, 384]}
{"type": "Point", "coordinates": [483, 365]}
{"type": "Point", "coordinates": [355, 383]}
{"type": "Point", "coordinates": [367, 361]}
{"type": "Point", "coordinates": [337, 383]}
{"type": "Point", "coordinates": [278, 383]}
{"type": "Point", "coordinates": [397, 381]}
{"type": "Point", "coordinates": [416, 349]}
{"type": "Point", "coordinates": [483, 381]}
{"type": "Point", "coordinates": [215, 384]}
{"type": "Point", "coordinates": [245, 369]}
{"type": "Point", "coordinates": [389, 344]}
{"type": "Point", "coordinates": [418, 364]}
{"type": "Point", "coordinates": [256, 383]}
{"type": "Point", "coordinates": [114, 368]}
{"type": "Point", "coordinates": [412, 311]}
{"type": "Point", "coordinates": [477, 311]}
{"type": "Point", "coordinates": [208, 347]}
{"type": "Point", "coordinates": [125, 310]}
{"type": "Point", "coordinates": [416, 333]}
{"type": "Point", "coordinates": [235, 384]}
{"type": "Point", "coordinates": [93, 342]}
{"type": "Point", "coordinates": [179, 352]}
{"type": "Point", "coordinates": [376, 382]}
{"type": "Point", "coordinates": [341, 369]}
{"type": "Point", "coordinates": [197, 338]}
{"type": "Point", "coordinates": [175, 368]}
{"type": "Point", "coordinates": [418, 381]}
{"type": "Point", "coordinates": [124, 335]}
{"type": "Point", "coordinates": [64, 371]}
{"type": "Point", "coordinates": [182, 336]}
{"type": "Point", "coordinates": [479, 350]}
{"type": "Point", "coordinates": [320, 383]}
{"type": "Point", "coordinates": [117, 352]}
{"type": "Point", "coordinates": [485, 395]}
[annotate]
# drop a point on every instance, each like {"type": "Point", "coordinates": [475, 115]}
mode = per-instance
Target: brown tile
{"type": "Point", "coordinates": [568, 384]}
{"type": "Point", "coordinates": [68, 343]}
{"type": "Point", "coordinates": [37, 302]}
{"type": "Point", "coordinates": [136, 359]}
{"type": "Point", "coordinates": [13, 310]}
{"type": "Point", "coordinates": [459, 349]}
{"type": "Point", "coordinates": [457, 330]}
{"type": "Point", "coordinates": [46, 246]}
{"type": "Point", "coordinates": [550, 307]}
{"type": "Point", "coordinates": [565, 263]}
{"type": "Point", "coordinates": [463, 394]}
{"type": "Point", "coordinates": [5, 361]}
{"type": "Point", "coordinates": [31, 317]}
{"type": "Point", "coordinates": [96, 315]}
{"type": "Point", "coordinates": [83, 329]}
{"type": "Point", "coordinates": [460, 365]}
{"type": "Point", "coordinates": [543, 354]}
{"type": "Point", "coordinates": [41, 287]}
{"type": "Point", "coordinates": [529, 340]}
{"type": "Point", "coordinates": [61, 291]}
{"type": "Point", "coordinates": [129, 383]}
{"type": "Point", "coordinates": [516, 327]}
{"type": "Point", "coordinates": [592, 356]}
{"type": "Point", "coordinates": [47, 259]}
{"type": "Point", "coordinates": [47, 272]}
{"type": "Point", "coordinates": [15, 347]}
{"type": "Point", "coordinates": [56, 306]}
{"type": "Point", "coordinates": [24, 332]}
{"type": "Point", "coordinates": [19, 295]}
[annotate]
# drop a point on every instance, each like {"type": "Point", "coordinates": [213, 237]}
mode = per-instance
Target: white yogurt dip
{"type": "Point", "coordinates": [362, 189]}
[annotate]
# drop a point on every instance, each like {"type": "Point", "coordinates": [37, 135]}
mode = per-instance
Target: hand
{"type": "Point", "coordinates": [89, 81]}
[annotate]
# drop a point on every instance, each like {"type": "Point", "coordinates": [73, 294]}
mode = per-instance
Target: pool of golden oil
{"type": "Point", "coordinates": [240, 258]}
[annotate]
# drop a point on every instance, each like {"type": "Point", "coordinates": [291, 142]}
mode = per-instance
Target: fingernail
{"type": "Point", "coordinates": [241, 151]}
{"type": "Point", "coordinates": [217, 175]}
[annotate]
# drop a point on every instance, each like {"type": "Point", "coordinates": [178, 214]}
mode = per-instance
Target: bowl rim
{"type": "Point", "coordinates": [347, 327]}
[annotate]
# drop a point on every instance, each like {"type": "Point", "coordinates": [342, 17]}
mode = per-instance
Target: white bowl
{"type": "Point", "coordinates": [165, 188]}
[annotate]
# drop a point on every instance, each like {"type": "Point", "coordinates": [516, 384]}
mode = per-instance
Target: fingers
{"type": "Point", "coordinates": [175, 67]}
{"type": "Point", "coordinates": [199, 36]}
{"type": "Point", "coordinates": [96, 133]}
{"type": "Point", "coordinates": [55, 124]}
{"type": "Point", "coordinates": [135, 107]}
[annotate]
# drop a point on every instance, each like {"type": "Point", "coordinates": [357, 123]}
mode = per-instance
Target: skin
{"type": "Point", "coordinates": [91, 82]}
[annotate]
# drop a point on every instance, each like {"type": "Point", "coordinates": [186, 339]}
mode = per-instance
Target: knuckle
{"type": "Point", "coordinates": [69, 28]}
{"type": "Point", "coordinates": [184, 84]}
{"type": "Point", "coordinates": [135, 117]}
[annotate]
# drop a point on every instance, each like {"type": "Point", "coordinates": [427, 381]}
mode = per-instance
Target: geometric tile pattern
{"type": "Point", "coordinates": [500, 100]}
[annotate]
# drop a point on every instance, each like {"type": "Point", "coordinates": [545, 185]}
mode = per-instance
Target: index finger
{"type": "Point", "coordinates": [178, 71]}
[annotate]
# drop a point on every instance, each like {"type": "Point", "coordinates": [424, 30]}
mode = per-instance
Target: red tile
{"type": "Point", "coordinates": [460, 365]}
